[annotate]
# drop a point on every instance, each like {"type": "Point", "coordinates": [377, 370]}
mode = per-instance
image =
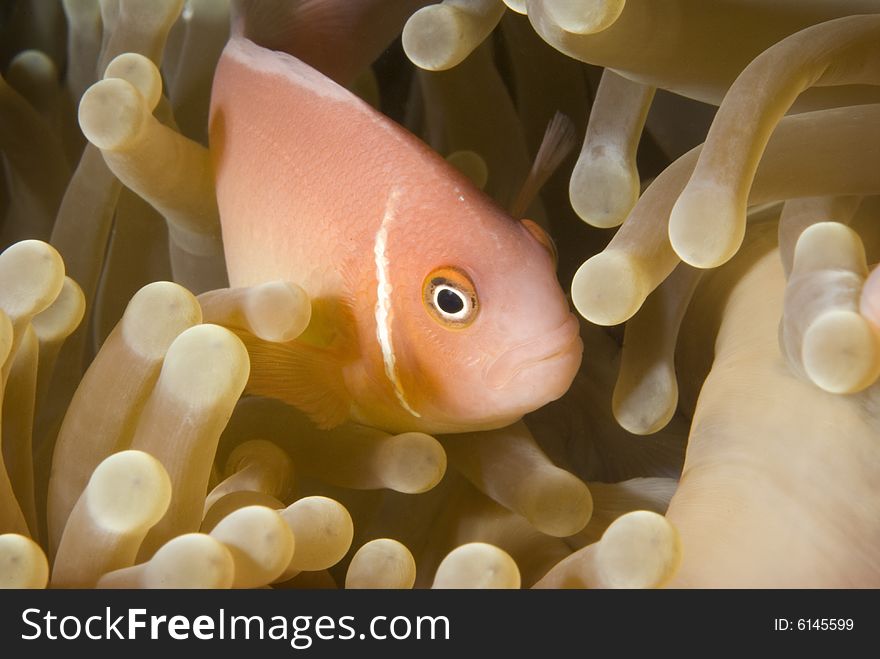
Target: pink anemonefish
{"type": "Point", "coordinates": [433, 309]}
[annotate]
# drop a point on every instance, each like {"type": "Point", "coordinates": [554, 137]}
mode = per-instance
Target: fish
{"type": "Point", "coordinates": [433, 310]}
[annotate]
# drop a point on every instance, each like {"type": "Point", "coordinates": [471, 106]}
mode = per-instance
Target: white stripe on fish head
{"type": "Point", "coordinates": [383, 301]}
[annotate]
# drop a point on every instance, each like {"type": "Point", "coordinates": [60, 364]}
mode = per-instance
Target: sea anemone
{"type": "Point", "coordinates": [731, 321]}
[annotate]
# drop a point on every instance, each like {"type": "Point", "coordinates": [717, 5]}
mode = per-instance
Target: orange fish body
{"type": "Point", "coordinates": [433, 310]}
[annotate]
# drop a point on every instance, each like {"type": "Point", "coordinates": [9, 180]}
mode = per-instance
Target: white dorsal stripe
{"type": "Point", "coordinates": [383, 301]}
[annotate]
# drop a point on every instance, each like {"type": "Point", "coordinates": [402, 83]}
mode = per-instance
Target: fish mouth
{"type": "Point", "coordinates": [555, 345]}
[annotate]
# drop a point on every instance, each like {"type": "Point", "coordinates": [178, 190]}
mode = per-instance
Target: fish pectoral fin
{"type": "Point", "coordinates": [307, 377]}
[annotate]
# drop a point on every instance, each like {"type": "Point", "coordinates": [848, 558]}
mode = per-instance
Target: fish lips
{"type": "Point", "coordinates": [556, 352]}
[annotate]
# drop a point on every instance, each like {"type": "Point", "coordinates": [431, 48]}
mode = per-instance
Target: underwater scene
{"type": "Point", "coordinates": [472, 294]}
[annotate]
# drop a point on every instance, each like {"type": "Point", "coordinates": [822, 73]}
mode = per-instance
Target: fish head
{"type": "Point", "coordinates": [474, 330]}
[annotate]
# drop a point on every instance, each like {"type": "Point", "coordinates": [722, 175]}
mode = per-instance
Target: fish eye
{"type": "Point", "coordinates": [450, 297]}
{"type": "Point", "coordinates": [449, 301]}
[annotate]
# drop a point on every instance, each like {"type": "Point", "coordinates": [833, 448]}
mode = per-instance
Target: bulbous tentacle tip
{"type": "Point", "coordinates": [559, 503]}
{"type": "Point", "coordinates": [519, 6]}
{"type": "Point", "coordinates": [22, 563]}
{"type": "Point", "coordinates": [415, 462]}
{"type": "Point", "coordinates": [603, 189]}
{"type": "Point", "coordinates": [323, 529]}
{"type": "Point", "coordinates": [141, 73]}
{"type": "Point", "coordinates": [706, 227]}
{"type": "Point", "coordinates": [261, 544]}
{"type": "Point", "coordinates": [438, 37]}
{"type": "Point", "coordinates": [584, 16]}
{"type": "Point", "coordinates": [477, 565]}
{"type": "Point", "coordinates": [128, 490]}
{"type": "Point", "coordinates": [431, 38]}
{"type": "Point", "coordinates": [381, 563]}
{"type": "Point", "coordinates": [608, 289]}
{"type": "Point", "coordinates": [191, 560]}
{"type": "Point", "coordinates": [640, 549]}
{"type": "Point", "coordinates": [32, 273]}
{"type": "Point", "coordinates": [112, 114]}
{"type": "Point", "coordinates": [829, 246]}
{"type": "Point", "coordinates": [142, 325]}
{"type": "Point", "coordinates": [841, 352]}
{"type": "Point", "coordinates": [646, 406]}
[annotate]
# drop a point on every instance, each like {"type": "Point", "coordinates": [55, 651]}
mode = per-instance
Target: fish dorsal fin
{"type": "Point", "coordinates": [269, 23]}
{"type": "Point", "coordinates": [559, 139]}
{"type": "Point", "coordinates": [307, 377]}
{"type": "Point", "coordinates": [284, 25]}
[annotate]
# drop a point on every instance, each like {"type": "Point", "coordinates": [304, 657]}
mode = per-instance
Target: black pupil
{"type": "Point", "coordinates": [449, 301]}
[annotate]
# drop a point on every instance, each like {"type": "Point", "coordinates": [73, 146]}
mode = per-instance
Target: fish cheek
{"type": "Point", "coordinates": [443, 370]}
{"type": "Point", "coordinates": [415, 369]}
{"type": "Point", "coordinates": [416, 360]}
